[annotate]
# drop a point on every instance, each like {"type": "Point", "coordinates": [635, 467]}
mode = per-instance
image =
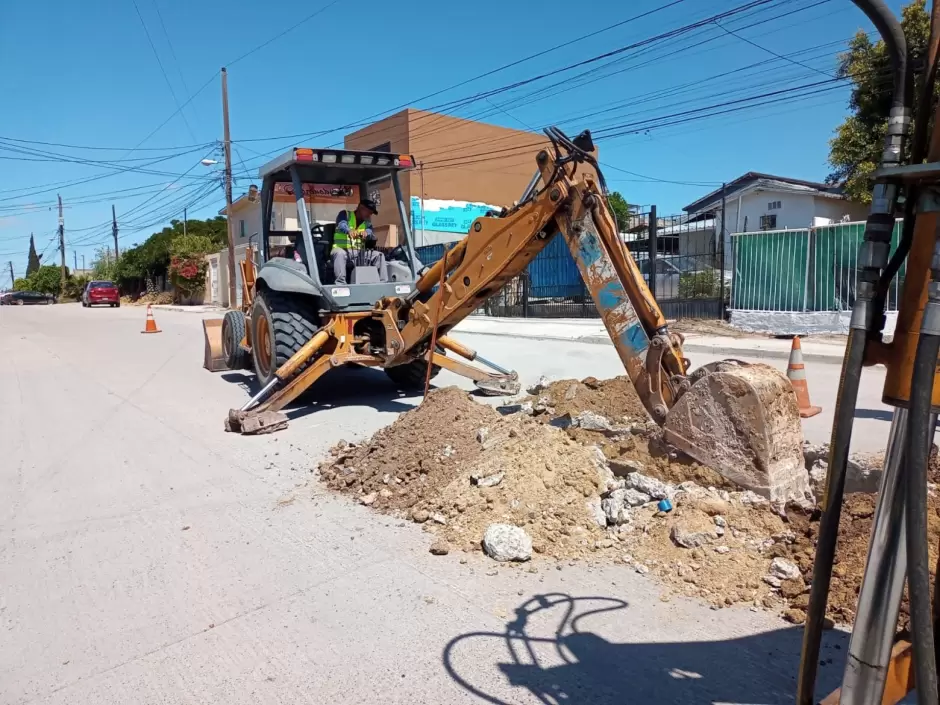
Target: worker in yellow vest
{"type": "Point", "coordinates": [354, 242]}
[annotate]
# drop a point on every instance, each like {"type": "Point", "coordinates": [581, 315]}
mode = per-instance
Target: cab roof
{"type": "Point", "coordinates": [335, 166]}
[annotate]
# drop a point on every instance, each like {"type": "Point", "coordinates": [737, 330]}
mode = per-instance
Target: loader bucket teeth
{"type": "Point", "coordinates": [249, 423]}
{"type": "Point", "coordinates": [742, 420]}
{"type": "Point", "coordinates": [499, 385]}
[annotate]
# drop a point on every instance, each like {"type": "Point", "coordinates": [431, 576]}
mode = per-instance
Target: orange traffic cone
{"type": "Point", "coordinates": [796, 373]}
{"type": "Point", "coordinates": [151, 326]}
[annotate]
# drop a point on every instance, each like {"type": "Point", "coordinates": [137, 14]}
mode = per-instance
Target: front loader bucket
{"type": "Point", "coordinates": [742, 420]}
{"type": "Point", "coordinates": [214, 358]}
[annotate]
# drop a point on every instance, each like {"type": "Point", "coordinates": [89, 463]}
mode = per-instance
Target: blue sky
{"type": "Point", "coordinates": [85, 74]}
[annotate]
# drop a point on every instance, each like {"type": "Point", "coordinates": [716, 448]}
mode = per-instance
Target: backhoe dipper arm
{"type": "Point", "coordinates": [498, 248]}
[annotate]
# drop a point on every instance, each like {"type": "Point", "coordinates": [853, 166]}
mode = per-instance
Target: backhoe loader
{"type": "Point", "coordinates": [741, 419]}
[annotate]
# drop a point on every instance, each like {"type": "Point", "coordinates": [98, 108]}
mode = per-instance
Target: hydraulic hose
{"type": "Point", "coordinates": [918, 576]}
{"type": "Point", "coordinates": [846, 400]}
{"type": "Point", "coordinates": [867, 322]}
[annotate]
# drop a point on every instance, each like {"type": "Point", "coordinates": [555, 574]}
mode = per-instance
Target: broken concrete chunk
{"type": "Point", "coordinates": [722, 549]}
{"type": "Point", "coordinates": [595, 508]}
{"type": "Point", "coordinates": [539, 386]}
{"type": "Point", "coordinates": [368, 499]}
{"type": "Point", "coordinates": [783, 569]}
{"type": "Point", "coordinates": [481, 480]}
{"type": "Point", "coordinates": [773, 581]}
{"type": "Point", "coordinates": [749, 498]}
{"type": "Point", "coordinates": [482, 434]}
{"type": "Point", "coordinates": [688, 539]}
{"type": "Point", "coordinates": [505, 542]}
{"type": "Point", "coordinates": [438, 518]}
{"type": "Point", "coordinates": [523, 408]}
{"type": "Point", "coordinates": [649, 486]}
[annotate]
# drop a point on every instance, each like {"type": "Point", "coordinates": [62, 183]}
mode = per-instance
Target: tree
{"type": "Point", "coordinates": [855, 150]}
{"type": "Point", "coordinates": [47, 279]}
{"type": "Point", "coordinates": [21, 284]}
{"type": "Point", "coordinates": [32, 264]}
{"type": "Point", "coordinates": [104, 265]}
{"type": "Point", "coordinates": [621, 209]}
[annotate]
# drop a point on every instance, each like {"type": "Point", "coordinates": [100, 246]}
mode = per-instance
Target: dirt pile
{"type": "Point", "coordinates": [461, 466]}
{"type": "Point", "coordinates": [458, 467]}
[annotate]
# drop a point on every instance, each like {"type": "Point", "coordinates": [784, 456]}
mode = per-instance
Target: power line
{"type": "Point", "coordinates": [163, 70]}
{"type": "Point", "coordinates": [773, 53]}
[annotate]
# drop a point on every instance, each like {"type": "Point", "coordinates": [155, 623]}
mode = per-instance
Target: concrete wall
{"type": "Point", "coordinates": [797, 210]}
{"type": "Point", "coordinates": [831, 210]}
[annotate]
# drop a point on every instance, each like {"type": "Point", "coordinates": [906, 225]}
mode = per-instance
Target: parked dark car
{"type": "Point", "coordinates": [24, 298]}
{"type": "Point", "coordinates": [99, 293]}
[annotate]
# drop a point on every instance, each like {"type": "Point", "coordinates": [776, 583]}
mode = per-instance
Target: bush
{"type": "Point", "coordinates": [700, 285]}
{"type": "Point", "coordinates": [188, 263]}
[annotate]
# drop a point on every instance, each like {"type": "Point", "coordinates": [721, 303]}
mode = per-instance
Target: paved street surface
{"type": "Point", "coordinates": [148, 557]}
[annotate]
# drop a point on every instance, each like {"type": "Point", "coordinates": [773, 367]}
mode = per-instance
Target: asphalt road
{"type": "Point", "coordinates": [148, 557]}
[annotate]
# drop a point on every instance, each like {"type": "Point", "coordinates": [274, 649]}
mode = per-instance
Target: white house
{"type": "Point", "coordinates": [756, 201]}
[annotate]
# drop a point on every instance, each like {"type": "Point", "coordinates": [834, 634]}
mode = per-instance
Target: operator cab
{"type": "Point", "coordinates": [302, 193]}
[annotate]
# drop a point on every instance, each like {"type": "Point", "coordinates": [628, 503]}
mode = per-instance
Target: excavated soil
{"type": "Point", "coordinates": [458, 466]}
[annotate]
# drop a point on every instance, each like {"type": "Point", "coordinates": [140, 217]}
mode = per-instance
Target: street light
{"type": "Point", "coordinates": [208, 162]}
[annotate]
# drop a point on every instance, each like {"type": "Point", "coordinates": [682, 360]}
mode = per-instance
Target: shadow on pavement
{"type": "Point", "coordinates": [341, 387]}
{"type": "Point", "coordinates": [877, 414]}
{"type": "Point", "coordinates": [553, 655]}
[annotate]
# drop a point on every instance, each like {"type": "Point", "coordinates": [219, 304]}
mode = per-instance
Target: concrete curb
{"type": "Point", "coordinates": [722, 350]}
{"type": "Point", "coordinates": [187, 309]}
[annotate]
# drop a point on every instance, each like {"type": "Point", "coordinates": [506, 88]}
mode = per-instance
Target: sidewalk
{"type": "Point", "coordinates": [202, 308]}
{"type": "Point", "coordinates": [582, 330]}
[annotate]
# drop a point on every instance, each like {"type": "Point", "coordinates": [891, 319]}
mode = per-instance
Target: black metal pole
{"type": "Point", "coordinates": [721, 253]}
{"type": "Point", "coordinates": [653, 247]}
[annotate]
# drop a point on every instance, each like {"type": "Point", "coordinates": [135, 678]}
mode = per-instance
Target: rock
{"type": "Point", "coordinates": [385, 493]}
{"type": "Point", "coordinates": [722, 549]}
{"type": "Point", "coordinates": [621, 467]}
{"type": "Point", "coordinates": [571, 392]}
{"type": "Point", "coordinates": [440, 548]}
{"type": "Point", "coordinates": [615, 512]}
{"type": "Point", "coordinates": [641, 569]}
{"type": "Point", "coordinates": [595, 507]}
{"type": "Point", "coordinates": [368, 499]}
{"type": "Point", "coordinates": [773, 581]}
{"type": "Point", "coordinates": [795, 616]}
{"type": "Point", "coordinates": [420, 516]}
{"type": "Point", "coordinates": [505, 542]}
{"type": "Point", "coordinates": [591, 382]}
{"type": "Point", "coordinates": [438, 518]}
{"type": "Point", "coordinates": [523, 408]}
{"type": "Point", "coordinates": [863, 472]}
{"type": "Point", "coordinates": [590, 421]}
{"type": "Point", "coordinates": [712, 506]}
{"type": "Point", "coordinates": [719, 531]}
{"type": "Point", "coordinates": [482, 434]}
{"type": "Point", "coordinates": [487, 480]}
{"type": "Point", "coordinates": [749, 498]}
{"type": "Point", "coordinates": [649, 486]}
{"type": "Point", "coordinates": [784, 570]}
{"type": "Point", "coordinates": [635, 498]}
{"type": "Point", "coordinates": [604, 543]}
{"type": "Point", "coordinates": [543, 406]}
{"type": "Point", "coordinates": [686, 539]}
{"type": "Point", "coordinates": [791, 588]}
{"type": "Point", "coordinates": [720, 521]}
{"type": "Point", "coordinates": [539, 386]}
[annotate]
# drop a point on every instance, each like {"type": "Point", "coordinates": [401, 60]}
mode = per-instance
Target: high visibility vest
{"type": "Point", "coordinates": [342, 240]}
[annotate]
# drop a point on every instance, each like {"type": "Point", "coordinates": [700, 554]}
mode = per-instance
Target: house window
{"type": "Point", "coordinates": [241, 229]}
{"type": "Point", "coordinates": [773, 206]}
{"type": "Point", "coordinates": [768, 222]}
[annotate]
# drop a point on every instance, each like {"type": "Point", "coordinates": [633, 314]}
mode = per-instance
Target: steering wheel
{"type": "Point", "coordinates": [316, 230]}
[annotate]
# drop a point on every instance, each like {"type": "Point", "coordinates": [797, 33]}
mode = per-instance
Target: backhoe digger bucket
{"type": "Point", "coordinates": [742, 420]}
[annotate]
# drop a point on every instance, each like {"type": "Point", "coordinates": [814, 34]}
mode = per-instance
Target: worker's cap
{"type": "Point", "coordinates": [370, 204]}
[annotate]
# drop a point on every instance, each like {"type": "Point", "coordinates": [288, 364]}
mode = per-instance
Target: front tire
{"type": "Point", "coordinates": [233, 331]}
{"type": "Point", "coordinates": [412, 374]}
{"type": "Point", "coordinates": [280, 325]}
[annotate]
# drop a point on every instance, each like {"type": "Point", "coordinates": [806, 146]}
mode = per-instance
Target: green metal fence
{"type": "Point", "coordinates": [814, 269]}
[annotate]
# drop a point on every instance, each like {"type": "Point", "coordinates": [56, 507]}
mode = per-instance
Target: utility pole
{"type": "Point", "coordinates": [74, 261]}
{"type": "Point", "coordinates": [62, 245]}
{"type": "Point", "coordinates": [185, 218]}
{"type": "Point", "coordinates": [114, 231]}
{"type": "Point", "coordinates": [108, 255]}
{"type": "Point", "coordinates": [12, 278]}
{"type": "Point", "coordinates": [83, 262]}
{"type": "Point", "coordinates": [227, 137]}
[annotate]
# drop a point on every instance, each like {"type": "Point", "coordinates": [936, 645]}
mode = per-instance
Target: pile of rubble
{"type": "Point", "coordinates": [578, 472]}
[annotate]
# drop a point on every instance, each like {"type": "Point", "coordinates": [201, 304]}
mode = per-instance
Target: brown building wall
{"type": "Point", "coordinates": [462, 160]}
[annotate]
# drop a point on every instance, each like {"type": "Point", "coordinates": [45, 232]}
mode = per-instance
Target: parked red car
{"type": "Point", "coordinates": [101, 292]}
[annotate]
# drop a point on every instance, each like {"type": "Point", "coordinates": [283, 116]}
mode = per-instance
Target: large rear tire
{"type": "Point", "coordinates": [280, 325]}
{"type": "Point", "coordinates": [412, 374]}
{"type": "Point", "coordinates": [233, 331]}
